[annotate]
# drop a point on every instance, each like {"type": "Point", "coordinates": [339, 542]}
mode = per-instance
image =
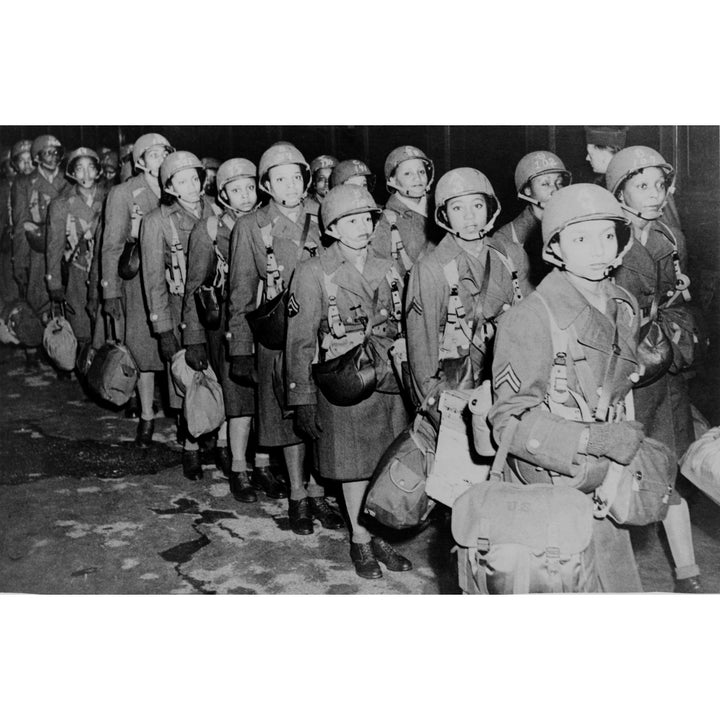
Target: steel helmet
{"type": "Point", "coordinates": [322, 161]}
{"type": "Point", "coordinates": [81, 152]}
{"type": "Point", "coordinates": [630, 160]}
{"type": "Point", "coordinates": [145, 142]}
{"type": "Point", "coordinates": [407, 152]}
{"type": "Point", "coordinates": [111, 159]}
{"type": "Point", "coordinates": [45, 142]}
{"type": "Point", "coordinates": [578, 203]}
{"type": "Point", "coordinates": [20, 147]}
{"type": "Point", "coordinates": [346, 200]}
{"type": "Point", "coordinates": [347, 169]}
{"type": "Point", "coordinates": [282, 153]}
{"type": "Point", "coordinates": [459, 182]}
{"type": "Point", "coordinates": [176, 161]}
{"type": "Point", "coordinates": [210, 163]}
{"type": "Point", "coordinates": [233, 169]}
{"type": "Point", "coordinates": [539, 163]}
{"type": "Point", "coordinates": [126, 151]}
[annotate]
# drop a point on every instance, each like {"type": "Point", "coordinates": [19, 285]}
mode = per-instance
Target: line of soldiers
{"type": "Point", "coordinates": [319, 271]}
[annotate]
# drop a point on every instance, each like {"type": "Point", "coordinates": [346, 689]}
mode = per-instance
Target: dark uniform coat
{"type": "Point", "coordinates": [8, 287]}
{"type": "Point", "coordinates": [354, 437]}
{"type": "Point", "coordinates": [202, 259]}
{"type": "Point", "coordinates": [70, 239]}
{"type": "Point", "coordinates": [31, 196]}
{"type": "Point", "coordinates": [292, 243]}
{"type": "Point", "coordinates": [418, 233]}
{"type": "Point", "coordinates": [127, 204]}
{"type": "Point", "coordinates": [647, 272]}
{"type": "Point", "coordinates": [522, 364]}
{"type": "Point", "coordinates": [483, 294]}
{"type": "Point", "coordinates": [156, 238]}
{"type": "Point", "coordinates": [528, 235]}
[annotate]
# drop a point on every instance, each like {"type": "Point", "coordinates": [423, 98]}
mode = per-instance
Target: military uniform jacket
{"type": "Point", "coordinates": [156, 238]}
{"type": "Point", "coordinates": [528, 236]}
{"type": "Point", "coordinates": [126, 205]}
{"type": "Point", "coordinates": [248, 258]}
{"type": "Point", "coordinates": [417, 232]}
{"type": "Point", "coordinates": [201, 262]}
{"type": "Point", "coordinates": [31, 196]}
{"type": "Point", "coordinates": [524, 357]}
{"type": "Point", "coordinates": [71, 228]}
{"type": "Point", "coordinates": [367, 295]}
{"type": "Point", "coordinates": [428, 295]}
{"type": "Point", "coordinates": [5, 217]}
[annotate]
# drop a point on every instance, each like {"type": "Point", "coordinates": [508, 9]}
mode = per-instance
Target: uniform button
{"type": "Point", "coordinates": [281, 268]}
{"type": "Point", "coordinates": [48, 276]}
{"type": "Point", "coordinates": [634, 377]}
{"type": "Point", "coordinates": [383, 312]}
{"type": "Point", "coordinates": [431, 401]}
{"type": "Point", "coordinates": [505, 306]}
{"type": "Point", "coordinates": [104, 283]}
{"type": "Point", "coordinates": [183, 325]}
{"type": "Point", "coordinates": [293, 386]}
{"type": "Point", "coordinates": [153, 317]}
{"type": "Point", "coordinates": [533, 444]}
{"type": "Point", "coordinates": [228, 335]}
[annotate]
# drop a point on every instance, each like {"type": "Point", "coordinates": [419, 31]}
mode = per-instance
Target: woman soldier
{"type": "Point", "coordinates": [337, 299]}
{"type": "Point", "coordinates": [30, 196]}
{"type": "Point", "coordinates": [466, 275]}
{"type": "Point", "coordinates": [266, 246]}
{"type": "Point", "coordinates": [537, 176]}
{"type": "Point", "coordinates": [353, 172]}
{"type": "Point", "coordinates": [652, 271]}
{"type": "Point", "coordinates": [209, 249]}
{"type": "Point", "coordinates": [320, 169]}
{"type": "Point", "coordinates": [126, 206]}
{"type": "Point", "coordinates": [164, 238]}
{"type": "Point", "coordinates": [73, 218]}
{"type": "Point", "coordinates": [585, 234]}
{"type": "Point", "coordinates": [405, 230]}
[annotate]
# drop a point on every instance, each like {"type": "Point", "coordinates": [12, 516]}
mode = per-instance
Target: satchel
{"type": "Point", "coordinates": [203, 406]}
{"type": "Point", "coordinates": [347, 379]}
{"type": "Point", "coordinates": [208, 306]}
{"type": "Point", "coordinates": [396, 496]}
{"type": "Point", "coordinates": [638, 493]}
{"type": "Point", "coordinates": [516, 539]}
{"type": "Point", "coordinates": [129, 263]}
{"type": "Point", "coordinates": [113, 373]}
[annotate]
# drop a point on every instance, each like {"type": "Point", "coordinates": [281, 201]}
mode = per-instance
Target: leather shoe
{"type": "Point", "coordinates": [363, 557]}
{"type": "Point", "coordinates": [240, 487]}
{"type": "Point", "coordinates": [300, 518]}
{"type": "Point", "coordinates": [264, 479]}
{"type": "Point", "coordinates": [689, 585]}
{"type": "Point", "coordinates": [144, 433]}
{"type": "Point", "coordinates": [223, 460]}
{"type": "Point", "coordinates": [389, 557]}
{"type": "Point", "coordinates": [192, 468]}
{"type": "Point", "coordinates": [321, 510]}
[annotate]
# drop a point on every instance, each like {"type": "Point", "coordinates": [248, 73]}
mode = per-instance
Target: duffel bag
{"type": "Point", "coordinates": [113, 373]}
{"type": "Point", "coordinates": [59, 341]}
{"type": "Point", "coordinates": [701, 464]}
{"type": "Point", "coordinates": [23, 322]}
{"type": "Point", "coordinates": [396, 496]}
{"type": "Point", "coordinates": [203, 406]}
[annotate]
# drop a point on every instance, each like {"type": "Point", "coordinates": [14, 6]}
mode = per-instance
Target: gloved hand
{"type": "Point", "coordinates": [196, 357]}
{"type": "Point", "coordinates": [57, 295]}
{"type": "Point", "coordinates": [242, 369]}
{"type": "Point", "coordinates": [617, 441]}
{"type": "Point", "coordinates": [168, 345]}
{"type": "Point", "coordinates": [306, 421]}
{"type": "Point", "coordinates": [113, 308]}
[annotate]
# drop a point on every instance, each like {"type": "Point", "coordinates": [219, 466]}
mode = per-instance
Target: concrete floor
{"type": "Point", "coordinates": [84, 511]}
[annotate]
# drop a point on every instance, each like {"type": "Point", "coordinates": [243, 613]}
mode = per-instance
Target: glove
{"type": "Point", "coordinates": [306, 421]}
{"type": "Point", "coordinates": [113, 308]}
{"type": "Point", "coordinates": [57, 295]}
{"type": "Point", "coordinates": [196, 357]}
{"type": "Point", "coordinates": [617, 441]}
{"type": "Point", "coordinates": [168, 345]}
{"type": "Point", "coordinates": [242, 369]}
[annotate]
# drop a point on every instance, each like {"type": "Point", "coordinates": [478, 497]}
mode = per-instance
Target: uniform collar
{"type": "Point", "coordinates": [396, 203]}
{"type": "Point", "coordinates": [347, 276]}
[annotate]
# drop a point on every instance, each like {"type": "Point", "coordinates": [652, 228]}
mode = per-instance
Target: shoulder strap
{"type": "Point", "coordinates": [515, 238]}
{"type": "Point", "coordinates": [396, 286]}
{"type": "Point", "coordinates": [337, 327]}
{"type": "Point", "coordinates": [451, 273]}
{"type": "Point", "coordinates": [510, 267]}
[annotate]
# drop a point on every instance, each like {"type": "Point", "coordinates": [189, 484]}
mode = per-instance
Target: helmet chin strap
{"type": "Point", "coordinates": [531, 200]}
{"type": "Point", "coordinates": [654, 215]}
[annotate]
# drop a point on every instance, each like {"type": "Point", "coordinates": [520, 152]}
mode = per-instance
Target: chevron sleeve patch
{"type": "Point", "coordinates": [509, 376]}
{"type": "Point", "coordinates": [293, 307]}
{"type": "Point", "coordinates": [416, 305]}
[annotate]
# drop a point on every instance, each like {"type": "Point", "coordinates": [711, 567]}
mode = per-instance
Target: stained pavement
{"type": "Point", "coordinates": [84, 511]}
